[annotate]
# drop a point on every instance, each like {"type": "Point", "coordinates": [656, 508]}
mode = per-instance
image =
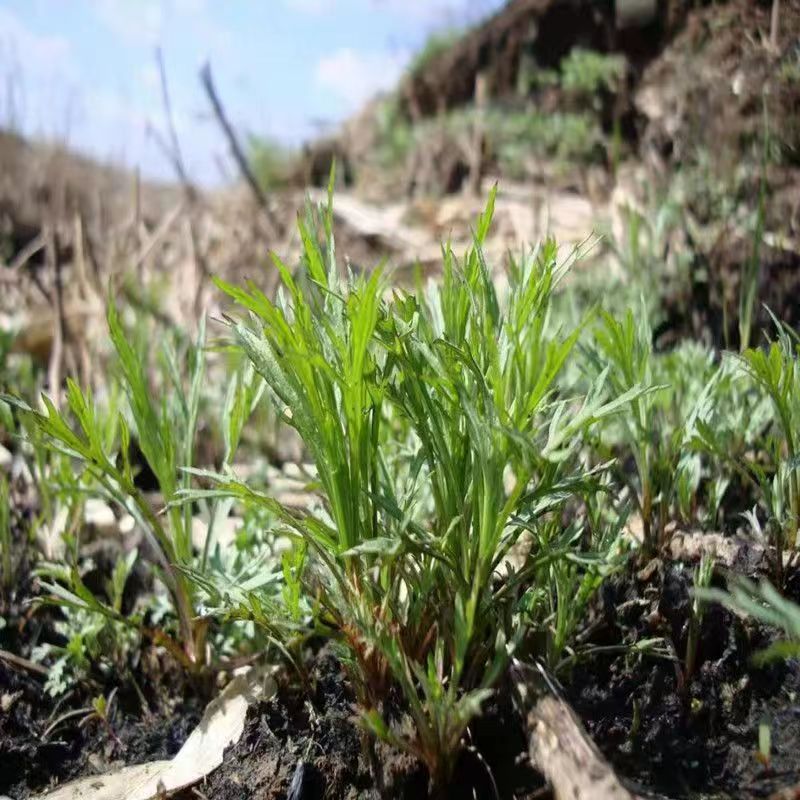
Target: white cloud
{"type": "Point", "coordinates": [146, 23]}
{"type": "Point", "coordinates": [135, 22]}
{"type": "Point", "coordinates": [432, 12]}
{"type": "Point", "coordinates": [356, 76]}
{"type": "Point", "coordinates": [40, 78]}
{"type": "Point", "coordinates": [41, 52]}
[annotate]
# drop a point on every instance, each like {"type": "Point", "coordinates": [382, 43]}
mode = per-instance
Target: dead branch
{"type": "Point", "coordinates": [173, 147]}
{"type": "Point", "coordinates": [774, 24]}
{"type": "Point", "coordinates": [55, 366]}
{"type": "Point", "coordinates": [207, 79]}
{"type": "Point", "coordinates": [24, 663]}
{"type": "Point", "coordinates": [563, 752]}
{"type": "Point", "coordinates": [559, 747]}
{"type": "Point", "coordinates": [33, 247]}
{"type": "Point", "coordinates": [158, 235]}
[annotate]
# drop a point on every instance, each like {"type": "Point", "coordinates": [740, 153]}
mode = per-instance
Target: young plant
{"type": "Point", "coordinates": [588, 72]}
{"type": "Point", "coordinates": [771, 467]}
{"type": "Point", "coordinates": [763, 602]}
{"type": "Point", "coordinates": [668, 475]}
{"type": "Point", "coordinates": [96, 632]}
{"type": "Point", "coordinates": [101, 443]}
{"type": "Point", "coordinates": [703, 574]}
{"type": "Point", "coordinates": [439, 441]}
{"type": "Point", "coordinates": [6, 567]}
{"type": "Point", "coordinates": [626, 347]}
{"type": "Point", "coordinates": [777, 372]}
{"type": "Point", "coordinates": [751, 266]}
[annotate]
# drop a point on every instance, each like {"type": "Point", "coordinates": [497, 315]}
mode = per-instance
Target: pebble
{"type": "Point", "coordinates": [99, 515]}
{"type": "Point", "coordinates": [305, 783]}
{"type": "Point", "coordinates": [50, 535]}
{"type": "Point", "coordinates": [126, 524]}
{"type": "Point", "coordinates": [225, 531]}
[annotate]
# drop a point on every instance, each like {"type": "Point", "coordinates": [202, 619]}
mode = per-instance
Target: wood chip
{"type": "Point", "coordinates": [563, 752]}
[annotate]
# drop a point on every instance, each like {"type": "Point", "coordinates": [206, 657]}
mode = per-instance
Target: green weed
{"type": "Point", "coordinates": [763, 602]}
{"type": "Point", "coordinates": [165, 429]}
{"type": "Point", "coordinates": [748, 421]}
{"type": "Point", "coordinates": [6, 564]}
{"type": "Point", "coordinates": [586, 72]}
{"type": "Point", "coordinates": [439, 441]}
{"type": "Point", "coordinates": [270, 162]}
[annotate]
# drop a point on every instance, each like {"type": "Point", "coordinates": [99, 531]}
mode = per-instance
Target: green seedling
{"type": "Point", "coordinates": [748, 422]}
{"type": "Point", "coordinates": [439, 440]}
{"type": "Point", "coordinates": [763, 602]}
{"type": "Point", "coordinates": [165, 428]}
{"type": "Point", "coordinates": [97, 634]}
{"type": "Point", "coordinates": [627, 347]}
{"type": "Point", "coordinates": [112, 473]}
{"type": "Point", "coordinates": [764, 753]}
{"type": "Point", "coordinates": [703, 574]}
{"type": "Point", "coordinates": [5, 536]}
{"type": "Point", "coordinates": [751, 266]}
{"type": "Point", "coordinates": [776, 372]}
{"type": "Point", "coordinates": [688, 438]}
{"type": "Point", "coordinates": [101, 712]}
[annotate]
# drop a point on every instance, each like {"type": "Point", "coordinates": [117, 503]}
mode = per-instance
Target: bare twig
{"type": "Point", "coordinates": [568, 758]}
{"type": "Point", "coordinates": [774, 24]}
{"type": "Point", "coordinates": [83, 283]}
{"type": "Point", "coordinates": [54, 369]}
{"type": "Point", "coordinates": [172, 150]}
{"type": "Point", "coordinates": [34, 246]}
{"type": "Point", "coordinates": [158, 235]}
{"type": "Point", "coordinates": [477, 139]}
{"type": "Point", "coordinates": [137, 198]}
{"type": "Point", "coordinates": [24, 663]}
{"type": "Point", "coordinates": [207, 79]}
{"type": "Point", "coordinates": [166, 150]}
{"type": "Point", "coordinates": [65, 717]}
{"type": "Point", "coordinates": [79, 258]}
{"type": "Point", "coordinates": [194, 262]}
{"type": "Point", "coordinates": [173, 147]}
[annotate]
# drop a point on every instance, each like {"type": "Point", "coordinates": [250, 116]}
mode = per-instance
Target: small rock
{"type": "Point", "coordinates": [292, 470]}
{"type": "Point", "coordinates": [225, 531]}
{"type": "Point", "coordinates": [126, 524]}
{"type": "Point", "coordinates": [99, 515]}
{"type": "Point", "coordinates": [50, 535]}
{"type": "Point", "coordinates": [634, 529]}
{"type": "Point", "coordinates": [97, 763]}
{"type": "Point", "coordinates": [8, 700]}
{"type": "Point", "coordinates": [649, 570]}
{"type": "Point", "coordinates": [306, 783]}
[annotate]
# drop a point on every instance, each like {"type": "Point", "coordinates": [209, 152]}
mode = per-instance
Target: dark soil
{"type": "Point", "coordinates": [663, 733]}
{"type": "Point", "coordinates": [701, 736]}
{"type": "Point", "coordinates": [309, 745]}
{"type": "Point", "coordinates": [35, 753]}
{"type": "Point", "coordinates": [34, 758]}
{"type": "Point", "coordinates": [706, 307]}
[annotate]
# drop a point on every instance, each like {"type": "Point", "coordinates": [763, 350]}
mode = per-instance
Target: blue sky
{"type": "Point", "coordinates": [85, 71]}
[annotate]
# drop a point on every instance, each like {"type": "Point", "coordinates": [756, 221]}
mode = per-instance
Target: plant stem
{"type": "Point", "coordinates": [5, 534]}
